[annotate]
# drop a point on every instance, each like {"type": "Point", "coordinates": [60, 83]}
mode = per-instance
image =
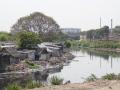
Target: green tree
{"type": "Point", "coordinates": [4, 36]}
{"type": "Point", "coordinates": [98, 33]}
{"type": "Point", "coordinates": [27, 40]}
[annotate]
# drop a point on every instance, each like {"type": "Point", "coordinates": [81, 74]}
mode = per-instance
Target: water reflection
{"type": "Point", "coordinates": [102, 55]}
{"type": "Point", "coordinates": [89, 62]}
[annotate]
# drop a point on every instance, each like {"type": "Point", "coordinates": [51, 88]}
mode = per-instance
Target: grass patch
{"type": "Point", "coordinates": [55, 80]}
{"type": "Point", "coordinates": [100, 44]}
{"type": "Point", "coordinates": [33, 84]}
{"type": "Point", "coordinates": [13, 87]}
{"type": "Point", "coordinates": [31, 65]}
{"type": "Point", "coordinates": [111, 76]}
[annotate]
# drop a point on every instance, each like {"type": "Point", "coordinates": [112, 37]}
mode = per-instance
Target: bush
{"type": "Point", "coordinates": [91, 78]}
{"type": "Point", "coordinates": [56, 80]}
{"type": "Point", "coordinates": [110, 76]}
{"type": "Point", "coordinates": [4, 36]}
{"type": "Point", "coordinates": [13, 87]}
{"type": "Point", "coordinates": [67, 44]}
{"type": "Point", "coordinates": [33, 84]}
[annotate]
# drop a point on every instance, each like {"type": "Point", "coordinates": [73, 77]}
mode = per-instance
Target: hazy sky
{"type": "Point", "coordinates": [83, 14]}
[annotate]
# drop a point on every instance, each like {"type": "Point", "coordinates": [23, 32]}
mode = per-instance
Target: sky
{"type": "Point", "coordinates": [84, 14]}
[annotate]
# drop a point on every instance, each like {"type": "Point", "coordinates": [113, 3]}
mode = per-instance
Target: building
{"type": "Point", "coordinates": [8, 56]}
{"type": "Point", "coordinates": [7, 44]}
{"type": "Point", "coordinates": [72, 33]}
{"type": "Point", "coordinates": [44, 55]}
{"type": "Point", "coordinates": [27, 54]}
{"type": "Point", "coordinates": [47, 50]}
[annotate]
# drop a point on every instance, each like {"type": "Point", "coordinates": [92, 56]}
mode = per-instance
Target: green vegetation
{"type": "Point", "coordinates": [32, 65]}
{"type": "Point", "coordinates": [55, 80]}
{"type": "Point", "coordinates": [91, 78]}
{"type": "Point", "coordinates": [97, 34]}
{"type": "Point", "coordinates": [13, 87]}
{"type": "Point", "coordinates": [30, 84]}
{"type": "Point", "coordinates": [4, 36]}
{"type": "Point", "coordinates": [67, 44]}
{"type": "Point", "coordinates": [95, 44]}
{"type": "Point", "coordinates": [116, 29]}
{"type": "Point", "coordinates": [101, 33]}
{"type": "Point", "coordinates": [27, 40]}
{"type": "Point", "coordinates": [33, 84]}
{"type": "Point", "coordinates": [111, 76]}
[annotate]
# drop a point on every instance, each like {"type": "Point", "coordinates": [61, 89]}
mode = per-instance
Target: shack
{"type": "Point", "coordinates": [53, 49]}
{"type": "Point", "coordinates": [8, 56]}
{"type": "Point", "coordinates": [28, 54]}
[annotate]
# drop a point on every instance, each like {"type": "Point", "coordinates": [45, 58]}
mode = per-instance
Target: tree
{"type": "Point", "coordinates": [98, 33]}
{"type": "Point", "coordinates": [4, 36]}
{"type": "Point", "coordinates": [36, 22]}
{"type": "Point", "coordinates": [116, 29]}
{"type": "Point", "coordinates": [27, 40]}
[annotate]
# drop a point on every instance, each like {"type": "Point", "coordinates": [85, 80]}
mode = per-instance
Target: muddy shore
{"type": "Point", "coordinates": [96, 85]}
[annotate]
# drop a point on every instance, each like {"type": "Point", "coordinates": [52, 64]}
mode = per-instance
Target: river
{"type": "Point", "coordinates": [87, 62]}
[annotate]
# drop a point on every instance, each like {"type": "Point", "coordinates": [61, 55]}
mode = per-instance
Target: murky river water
{"type": "Point", "coordinates": [87, 62]}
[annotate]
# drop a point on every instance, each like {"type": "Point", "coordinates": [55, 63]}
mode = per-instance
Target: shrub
{"type": "Point", "coordinates": [33, 84]}
{"type": "Point", "coordinates": [56, 80]}
{"type": "Point", "coordinates": [13, 87]}
{"type": "Point", "coordinates": [67, 44]}
{"type": "Point", "coordinates": [110, 76]}
{"type": "Point", "coordinates": [91, 78]}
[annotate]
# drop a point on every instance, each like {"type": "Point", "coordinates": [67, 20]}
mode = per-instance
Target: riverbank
{"type": "Point", "coordinates": [100, 45]}
{"type": "Point", "coordinates": [117, 50]}
{"type": "Point", "coordinates": [107, 49]}
{"type": "Point", "coordinates": [40, 73]}
{"type": "Point", "coordinates": [96, 85]}
{"type": "Point", "coordinates": [96, 44]}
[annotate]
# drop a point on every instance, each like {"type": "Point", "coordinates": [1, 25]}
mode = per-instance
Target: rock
{"type": "Point", "coordinates": [67, 82]}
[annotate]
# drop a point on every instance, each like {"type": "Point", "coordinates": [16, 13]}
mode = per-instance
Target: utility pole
{"type": "Point", "coordinates": [100, 22]}
{"type": "Point", "coordinates": [111, 24]}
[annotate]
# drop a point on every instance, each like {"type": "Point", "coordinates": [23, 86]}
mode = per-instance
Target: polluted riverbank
{"type": "Point", "coordinates": [54, 64]}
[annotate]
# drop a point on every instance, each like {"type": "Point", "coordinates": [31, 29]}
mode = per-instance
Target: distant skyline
{"type": "Point", "coordinates": [84, 14]}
